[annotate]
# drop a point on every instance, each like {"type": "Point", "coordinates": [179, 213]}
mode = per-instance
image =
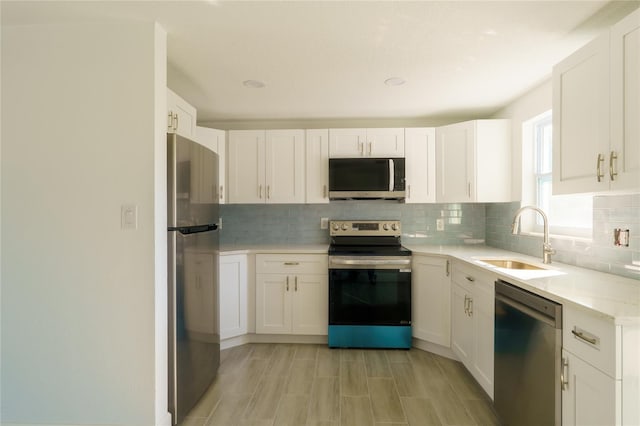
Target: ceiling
{"type": "Point", "coordinates": [330, 59]}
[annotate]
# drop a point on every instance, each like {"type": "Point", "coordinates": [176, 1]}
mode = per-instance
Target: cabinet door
{"type": "Point", "coordinates": [347, 142]}
{"type": "Point", "coordinates": [589, 397]}
{"type": "Point", "coordinates": [482, 311]}
{"type": "Point", "coordinates": [246, 167]}
{"type": "Point", "coordinates": [431, 299]}
{"type": "Point", "coordinates": [581, 119]}
{"type": "Point", "coordinates": [199, 288]}
{"type": "Point", "coordinates": [454, 158]}
{"type": "Point", "coordinates": [184, 116]}
{"type": "Point", "coordinates": [385, 143]}
{"type": "Point", "coordinates": [625, 103]}
{"type": "Point", "coordinates": [233, 296]}
{"type": "Point", "coordinates": [215, 140]}
{"type": "Point", "coordinates": [317, 166]}
{"type": "Point", "coordinates": [420, 165]}
{"type": "Point", "coordinates": [310, 304]}
{"type": "Point", "coordinates": [285, 166]}
{"type": "Point", "coordinates": [273, 303]}
{"type": "Point", "coordinates": [461, 324]}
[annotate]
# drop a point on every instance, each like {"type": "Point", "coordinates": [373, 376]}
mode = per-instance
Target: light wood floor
{"type": "Point", "coordinates": [283, 384]}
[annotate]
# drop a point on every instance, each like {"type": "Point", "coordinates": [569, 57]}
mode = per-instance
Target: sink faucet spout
{"type": "Point", "coordinates": [547, 250]}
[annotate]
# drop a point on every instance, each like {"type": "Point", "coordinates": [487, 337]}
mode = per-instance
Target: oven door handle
{"type": "Point", "coordinates": [372, 262]}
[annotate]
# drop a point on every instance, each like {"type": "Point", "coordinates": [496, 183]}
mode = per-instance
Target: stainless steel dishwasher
{"type": "Point", "coordinates": [528, 350]}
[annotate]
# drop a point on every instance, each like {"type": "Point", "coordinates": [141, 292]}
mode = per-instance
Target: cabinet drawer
{"type": "Point", "coordinates": [594, 339]}
{"type": "Point", "coordinates": [472, 278]}
{"type": "Point", "coordinates": [291, 264]}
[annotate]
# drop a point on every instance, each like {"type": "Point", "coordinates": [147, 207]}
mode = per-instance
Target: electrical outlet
{"type": "Point", "coordinates": [324, 223]}
{"type": "Point", "coordinates": [439, 224]}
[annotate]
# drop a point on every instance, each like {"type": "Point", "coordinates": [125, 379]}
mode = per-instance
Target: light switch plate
{"type": "Point", "coordinates": [129, 216]}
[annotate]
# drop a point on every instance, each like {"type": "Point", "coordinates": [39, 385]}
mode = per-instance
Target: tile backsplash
{"type": "Point", "coordinates": [463, 224]}
{"type": "Point", "coordinates": [600, 253]}
{"type": "Point", "coordinates": [300, 223]}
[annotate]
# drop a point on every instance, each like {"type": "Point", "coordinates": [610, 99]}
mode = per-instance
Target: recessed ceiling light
{"type": "Point", "coordinates": [395, 81]}
{"type": "Point", "coordinates": [253, 84]}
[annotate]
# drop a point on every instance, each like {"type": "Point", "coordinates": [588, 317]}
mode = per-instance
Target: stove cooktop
{"type": "Point", "coordinates": [369, 250]}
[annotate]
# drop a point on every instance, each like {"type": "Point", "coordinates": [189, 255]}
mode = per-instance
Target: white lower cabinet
{"type": "Point", "coordinates": [430, 299]}
{"type": "Point", "coordinates": [588, 396]}
{"type": "Point", "coordinates": [600, 369]}
{"type": "Point", "coordinates": [472, 318]}
{"type": "Point", "coordinates": [233, 295]}
{"type": "Point", "coordinates": [292, 294]}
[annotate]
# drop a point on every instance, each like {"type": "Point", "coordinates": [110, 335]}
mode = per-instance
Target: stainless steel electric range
{"type": "Point", "coordinates": [369, 285]}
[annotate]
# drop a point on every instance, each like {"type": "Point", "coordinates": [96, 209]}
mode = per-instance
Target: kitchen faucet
{"type": "Point", "coordinates": [547, 251]}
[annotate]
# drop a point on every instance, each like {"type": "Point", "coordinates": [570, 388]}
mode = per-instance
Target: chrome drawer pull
{"type": "Point", "coordinates": [580, 335]}
{"type": "Point", "coordinates": [291, 263]}
{"type": "Point", "coordinates": [471, 279]}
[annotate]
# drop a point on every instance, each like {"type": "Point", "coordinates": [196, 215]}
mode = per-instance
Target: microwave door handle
{"type": "Point", "coordinates": [392, 175]}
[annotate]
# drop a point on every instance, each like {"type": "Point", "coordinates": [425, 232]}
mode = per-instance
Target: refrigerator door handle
{"type": "Point", "coordinates": [186, 230]}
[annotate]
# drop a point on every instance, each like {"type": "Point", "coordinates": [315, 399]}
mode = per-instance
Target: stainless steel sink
{"type": "Point", "coordinates": [510, 264]}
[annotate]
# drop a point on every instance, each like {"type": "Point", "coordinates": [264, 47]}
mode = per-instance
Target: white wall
{"type": "Point", "coordinates": [80, 136]}
{"type": "Point", "coordinates": [531, 104]}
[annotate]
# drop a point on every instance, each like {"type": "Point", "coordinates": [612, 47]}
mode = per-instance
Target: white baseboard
{"type": "Point", "coordinates": [434, 348]}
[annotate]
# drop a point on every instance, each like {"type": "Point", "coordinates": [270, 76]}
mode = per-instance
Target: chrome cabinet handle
{"type": "Point", "coordinates": [361, 147]}
{"type": "Point", "coordinates": [260, 191]}
{"type": "Point", "coordinates": [599, 174]}
{"type": "Point", "coordinates": [291, 263]}
{"type": "Point", "coordinates": [447, 268]}
{"type": "Point", "coordinates": [612, 157]}
{"type": "Point", "coordinates": [471, 306]}
{"type": "Point", "coordinates": [177, 125]}
{"type": "Point", "coordinates": [221, 191]}
{"type": "Point", "coordinates": [324, 191]}
{"type": "Point", "coordinates": [469, 189]}
{"type": "Point", "coordinates": [296, 283]}
{"type": "Point", "coordinates": [564, 376]}
{"type": "Point", "coordinates": [268, 191]}
{"type": "Point", "coordinates": [470, 279]}
{"type": "Point", "coordinates": [580, 335]}
{"type": "Point", "coordinates": [466, 303]}
{"type": "Point", "coordinates": [408, 191]}
{"type": "Point", "coordinates": [170, 121]}
{"type": "Point", "coordinates": [370, 145]}
{"type": "Point", "coordinates": [287, 283]}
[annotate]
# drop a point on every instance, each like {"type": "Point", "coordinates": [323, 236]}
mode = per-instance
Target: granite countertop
{"type": "Point", "coordinates": [609, 295]}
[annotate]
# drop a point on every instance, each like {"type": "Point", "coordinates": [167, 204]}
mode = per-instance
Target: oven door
{"type": "Point", "coordinates": [369, 290]}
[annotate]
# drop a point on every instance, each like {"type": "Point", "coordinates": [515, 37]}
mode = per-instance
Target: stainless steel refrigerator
{"type": "Point", "coordinates": [194, 330]}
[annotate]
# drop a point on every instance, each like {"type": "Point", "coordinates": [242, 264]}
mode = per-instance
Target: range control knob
{"type": "Point", "coordinates": [336, 226]}
{"type": "Point", "coordinates": [344, 227]}
{"type": "Point", "coordinates": [394, 226]}
{"type": "Point", "coordinates": [385, 226]}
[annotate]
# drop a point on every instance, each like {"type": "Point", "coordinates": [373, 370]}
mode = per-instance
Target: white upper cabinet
{"type": "Point", "coordinates": [266, 166]}
{"type": "Point", "coordinates": [317, 166]}
{"type": "Point", "coordinates": [625, 103]}
{"type": "Point", "coordinates": [284, 166]}
{"type": "Point", "coordinates": [181, 116]}
{"type": "Point", "coordinates": [246, 183]}
{"type": "Point", "coordinates": [215, 140]}
{"type": "Point", "coordinates": [383, 142]}
{"type": "Point", "coordinates": [420, 165]}
{"type": "Point", "coordinates": [473, 162]}
{"type": "Point", "coordinates": [596, 105]}
{"type": "Point", "coordinates": [581, 119]}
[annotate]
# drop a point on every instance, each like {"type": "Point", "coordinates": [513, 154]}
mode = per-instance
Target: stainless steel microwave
{"type": "Point", "coordinates": [366, 178]}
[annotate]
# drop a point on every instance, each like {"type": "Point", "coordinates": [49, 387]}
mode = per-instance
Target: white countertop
{"type": "Point", "coordinates": [287, 249]}
{"type": "Point", "coordinates": [609, 295]}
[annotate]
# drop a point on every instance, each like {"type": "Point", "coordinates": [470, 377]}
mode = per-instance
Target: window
{"type": "Point", "coordinates": [569, 215]}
